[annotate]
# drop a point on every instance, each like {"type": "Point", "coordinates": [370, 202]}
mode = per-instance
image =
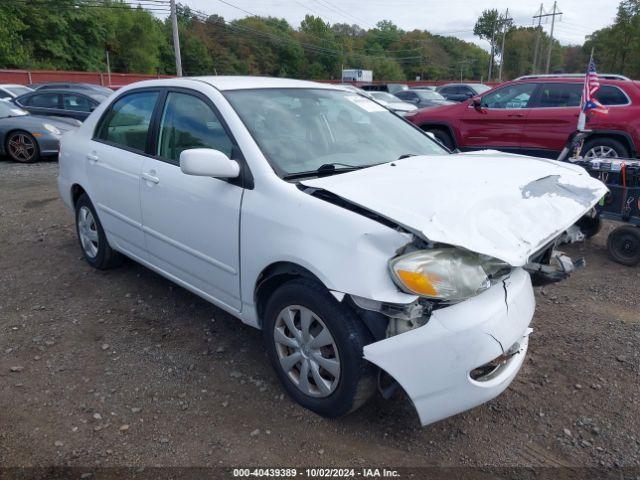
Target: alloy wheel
{"type": "Point", "coordinates": [21, 147]}
{"type": "Point", "coordinates": [601, 151]}
{"type": "Point", "coordinates": [88, 232]}
{"type": "Point", "coordinates": [307, 351]}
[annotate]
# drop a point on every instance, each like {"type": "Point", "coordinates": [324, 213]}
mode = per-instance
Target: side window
{"type": "Point", "coordinates": [510, 97]}
{"type": "Point", "coordinates": [4, 95]}
{"type": "Point", "coordinates": [188, 122]}
{"type": "Point", "coordinates": [127, 121]}
{"type": "Point", "coordinates": [609, 95]}
{"type": "Point", "coordinates": [403, 95]}
{"type": "Point", "coordinates": [77, 103]}
{"type": "Point", "coordinates": [43, 100]}
{"type": "Point", "coordinates": [559, 95]}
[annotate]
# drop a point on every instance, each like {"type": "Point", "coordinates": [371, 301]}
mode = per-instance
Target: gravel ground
{"type": "Point", "coordinates": [123, 368]}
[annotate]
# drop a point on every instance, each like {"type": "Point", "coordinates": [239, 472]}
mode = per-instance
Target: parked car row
{"type": "Point", "coordinates": [32, 118]}
{"type": "Point", "coordinates": [26, 138]}
{"type": "Point", "coordinates": [536, 114]}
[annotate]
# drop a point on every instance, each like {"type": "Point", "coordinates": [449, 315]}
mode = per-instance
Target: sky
{"type": "Point", "coordinates": [449, 17]}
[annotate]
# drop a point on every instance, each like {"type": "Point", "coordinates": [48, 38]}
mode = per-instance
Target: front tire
{"type": "Point", "coordinates": [93, 241]}
{"type": "Point", "coordinates": [443, 137]}
{"type": "Point", "coordinates": [590, 225]}
{"type": "Point", "coordinates": [22, 147]}
{"type": "Point", "coordinates": [604, 147]}
{"type": "Point", "coordinates": [315, 346]}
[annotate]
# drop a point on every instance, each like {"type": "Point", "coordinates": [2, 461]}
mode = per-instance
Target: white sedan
{"type": "Point", "coordinates": [367, 254]}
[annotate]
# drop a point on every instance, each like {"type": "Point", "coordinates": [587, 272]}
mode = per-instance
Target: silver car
{"type": "Point", "coordinates": [26, 138]}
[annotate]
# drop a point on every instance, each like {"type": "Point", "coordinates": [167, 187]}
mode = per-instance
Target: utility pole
{"type": "Point", "coordinates": [176, 38]}
{"type": "Point", "coordinates": [493, 37]}
{"type": "Point", "coordinates": [108, 67]}
{"type": "Point", "coordinates": [534, 67]}
{"type": "Point", "coordinates": [463, 63]}
{"type": "Point", "coordinates": [553, 22]}
{"type": "Point", "coordinates": [505, 24]}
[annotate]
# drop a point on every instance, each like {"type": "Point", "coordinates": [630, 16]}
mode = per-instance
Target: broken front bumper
{"type": "Point", "coordinates": [435, 363]}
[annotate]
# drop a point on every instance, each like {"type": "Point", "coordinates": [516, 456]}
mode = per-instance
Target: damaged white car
{"type": "Point", "coordinates": [368, 254]}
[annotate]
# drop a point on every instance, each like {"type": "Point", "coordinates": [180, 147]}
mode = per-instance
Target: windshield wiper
{"type": "Point", "coordinates": [407, 155]}
{"type": "Point", "coordinates": [324, 170]}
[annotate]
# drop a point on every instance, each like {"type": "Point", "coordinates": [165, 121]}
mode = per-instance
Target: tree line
{"type": "Point", "coordinates": [75, 34]}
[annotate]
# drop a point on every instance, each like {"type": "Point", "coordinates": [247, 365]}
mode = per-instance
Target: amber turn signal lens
{"type": "Point", "coordinates": [418, 283]}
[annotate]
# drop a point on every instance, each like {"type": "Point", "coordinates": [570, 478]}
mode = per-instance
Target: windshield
{"type": "Point", "coordinates": [300, 130]}
{"type": "Point", "coordinates": [10, 110]}
{"type": "Point", "coordinates": [385, 97]}
{"type": "Point", "coordinates": [17, 90]}
{"type": "Point", "coordinates": [480, 88]}
{"type": "Point", "coordinates": [429, 95]}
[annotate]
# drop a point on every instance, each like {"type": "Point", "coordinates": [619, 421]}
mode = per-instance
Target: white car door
{"type": "Point", "coordinates": [114, 165]}
{"type": "Point", "coordinates": [191, 223]}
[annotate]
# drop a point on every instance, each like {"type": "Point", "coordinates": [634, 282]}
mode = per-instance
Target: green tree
{"type": "Point", "coordinates": [13, 51]}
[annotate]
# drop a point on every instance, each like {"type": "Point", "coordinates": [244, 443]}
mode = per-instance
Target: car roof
{"type": "Point", "coordinates": [233, 82]}
{"type": "Point", "coordinates": [94, 94]}
{"type": "Point", "coordinates": [572, 79]}
{"type": "Point", "coordinates": [454, 84]}
{"type": "Point", "coordinates": [12, 85]}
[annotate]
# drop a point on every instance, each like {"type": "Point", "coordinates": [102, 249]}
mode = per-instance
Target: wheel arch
{"type": "Point", "coordinates": [619, 135]}
{"type": "Point", "coordinates": [76, 191]}
{"type": "Point", "coordinates": [272, 277]}
{"type": "Point", "coordinates": [442, 126]}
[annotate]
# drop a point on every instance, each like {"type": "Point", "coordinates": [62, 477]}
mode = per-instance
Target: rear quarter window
{"type": "Point", "coordinates": [610, 95]}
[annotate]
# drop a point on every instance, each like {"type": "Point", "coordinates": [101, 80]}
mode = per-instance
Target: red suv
{"type": "Point", "coordinates": [535, 115]}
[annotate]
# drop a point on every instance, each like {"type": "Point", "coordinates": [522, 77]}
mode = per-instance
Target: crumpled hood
{"type": "Point", "coordinates": [502, 205]}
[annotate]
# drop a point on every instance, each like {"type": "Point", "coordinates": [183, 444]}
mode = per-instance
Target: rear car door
{"type": "Point", "coordinates": [114, 165]}
{"type": "Point", "coordinates": [77, 105]}
{"type": "Point", "coordinates": [500, 120]}
{"type": "Point", "coordinates": [554, 116]}
{"type": "Point", "coordinates": [45, 103]}
{"type": "Point", "coordinates": [192, 223]}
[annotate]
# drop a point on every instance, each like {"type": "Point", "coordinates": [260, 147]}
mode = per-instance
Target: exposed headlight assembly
{"type": "Point", "coordinates": [448, 274]}
{"type": "Point", "coordinates": [50, 128]}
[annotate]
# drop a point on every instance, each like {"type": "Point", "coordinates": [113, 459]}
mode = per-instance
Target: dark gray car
{"type": "Point", "coordinates": [423, 98]}
{"type": "Point", "coordinates": [73, 86]}
{"type": "Point", "coordinates": [76, 104]}
{"type": "Point", "coordinates": [459, 92]}
{"type": "Point", "coordinates": [26, 138]}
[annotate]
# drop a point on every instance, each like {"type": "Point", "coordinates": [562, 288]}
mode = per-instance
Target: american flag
{"type": "Point", "coordinates": [591, 86]}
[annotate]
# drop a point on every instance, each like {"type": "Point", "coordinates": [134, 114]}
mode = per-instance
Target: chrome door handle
{"type": "Point", "coordinates": [92, 157]}
{"type": "Point", "coordinates": [150, 178]}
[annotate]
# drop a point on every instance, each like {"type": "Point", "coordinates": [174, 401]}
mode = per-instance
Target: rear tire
{"type": "Point", "coordinates": [443, 137]}
{"type": "Point", "coordinates": [22, 147]}
{"type": "Point", "coordinates": [623, 245]}
{"type": "Point", "coordinates": [349, 380]}
{"type": "Point", "coordinates": [93, 241]}
{"type": "Point", "coordinates": [604, 147]}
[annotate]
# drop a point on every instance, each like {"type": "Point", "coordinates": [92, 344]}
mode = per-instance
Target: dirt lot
{"type": "Point", "coordinates": [124, 368]}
